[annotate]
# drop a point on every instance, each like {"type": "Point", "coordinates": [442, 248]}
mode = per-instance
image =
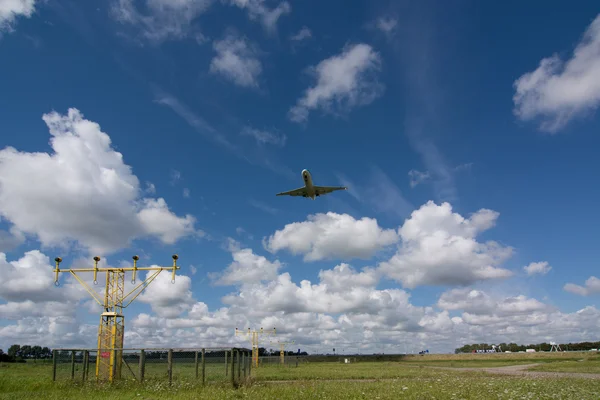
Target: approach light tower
{"type": "Point", "coordinates": [253, 335]}
{"type": "Point", "coordinates": [112, 322]}
{"type": "Point", "coordinates": [282, 351]}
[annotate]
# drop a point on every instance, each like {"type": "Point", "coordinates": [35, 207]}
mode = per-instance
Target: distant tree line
{"type": "Point", "coordinates": [513, 347]}
{"type": "Point", "coordinates": [18, 353]}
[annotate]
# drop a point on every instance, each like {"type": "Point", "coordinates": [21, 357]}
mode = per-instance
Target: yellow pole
{"type": "Point", "coordinates": [112, 325]}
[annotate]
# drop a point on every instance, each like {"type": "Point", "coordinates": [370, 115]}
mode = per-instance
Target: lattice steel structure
{"type": "Point", "coordinates": [112, 321]}
{"type": "Point", "coordinates": [253, 335]}
{"type": "Point", "coordinates": [282, 351]}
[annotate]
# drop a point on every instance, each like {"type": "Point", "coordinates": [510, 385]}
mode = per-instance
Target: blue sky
{"type": "Point", "coordinates": [201, 106]}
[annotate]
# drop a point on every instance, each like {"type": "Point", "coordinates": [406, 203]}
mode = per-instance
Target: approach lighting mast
{"type": "Point", "coordinates": [253, 335]}
{"type": "Point", "coordinates": [282, 351]}
{"type": "Point", "coordinates": [112, 322]}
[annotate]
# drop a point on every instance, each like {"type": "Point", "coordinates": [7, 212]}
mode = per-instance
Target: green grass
{"type": "Point", "coordinates": [471, 364]}
{"type": "Point", "coordinates": [588, 366]}
{"type": "Point", "coordinates": [405, 380]}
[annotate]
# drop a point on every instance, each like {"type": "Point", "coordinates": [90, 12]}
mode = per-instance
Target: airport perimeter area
{"type": "Point", "coordinates": [555, 375]}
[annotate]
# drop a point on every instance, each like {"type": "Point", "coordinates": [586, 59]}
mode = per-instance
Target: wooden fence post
{"type": "Point", "coordinates": [232, 370]}
{"type": "Point", "coordinates": [244, 362]}
{"type": "Point", "coordinates": [54, 362]}
{"type": "Point", "coordinates": [170, 365]}
{"type": "Point", "coordinates": [72, 364]}
{"type": "Point", "coordinates": [239, 363]}
{"type": "Point", "coordinates": [249, 365]}
{"type": "Point", "coordinates": [86, 359]}
{"type": "Point", "coordinates": [142, 365]}
{"type": "Point", "coordinates": [203, 367]}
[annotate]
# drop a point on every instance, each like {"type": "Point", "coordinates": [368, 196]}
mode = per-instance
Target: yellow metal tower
{"type": "Point", "coordinates": [254, 338]}
{"type": "Point", "coordinates": [112, 322]}
{"type": "Point", "coordinates": [282, 351]}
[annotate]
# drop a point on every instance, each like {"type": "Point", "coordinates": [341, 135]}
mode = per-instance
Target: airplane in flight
{"type": "Point", "coordinates": [309, 189]}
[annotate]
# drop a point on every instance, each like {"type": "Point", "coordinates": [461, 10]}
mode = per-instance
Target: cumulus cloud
{"type": "Point", "coordinates": [541, 268]}
{"type": "Point", "coordinates": [31, 279]}
{"type": "Point", "coordinates": [51, 331]}
{"type": "Point", "coordinates": [559, 91]}
{"type": "Point", "coordinates": [10, 10]}
{"type": "Point", "coordinates": [591, 287]}
{"type": "Point", "coordinates": [331, 235]}
{"type": "Point", "coordinates": [236, 60]}
{"type": "Point", "coordinates": [439, 247]}
{"type": "Point", "coordinates": [247, 267]}
{"type": "Point", "coordinates": [168, 299]}
{"type": "Point", "coordinates": [257, 10]}
{"type": "Point", "coordinates": [89, 195]}
{"type": "Point", "coordinates": [343, 82]}
{"type": "Point", "coordinates": [343, 309]}
{"type": "Point", "coordinates": [164, 19]}
{"type": "Point", "coordinates": [354, 315]}
{"type": "Point", "coordinates": [478, 303]}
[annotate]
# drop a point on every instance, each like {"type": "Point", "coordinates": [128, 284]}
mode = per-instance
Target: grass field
{"type": "Point", "coordinates": [409, 379]}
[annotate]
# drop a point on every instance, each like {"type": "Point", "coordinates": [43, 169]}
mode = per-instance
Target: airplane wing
{"type": "Point", "coordinates": [296, 192]}
{"type": "Point", "coordinates": [320, 190]}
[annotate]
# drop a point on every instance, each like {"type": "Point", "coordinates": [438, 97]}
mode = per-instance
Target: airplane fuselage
{"type": "Point", "coordinates": [309, 189]}
{"type": "Point", "coordinates": [308, 184]}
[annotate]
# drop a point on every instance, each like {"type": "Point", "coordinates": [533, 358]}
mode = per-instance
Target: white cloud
{"type": "Point", "coordinates": [247, 267]}
{"type": "Point", "coordinates": [592, 287]}
{"type": "Point", "coordinates": [343, 82]}
{"type": "Point", "coordinates": [439, 247]}
{"type": "Point", "coordinates": [31, 279]}
{"type": "Point", "coordinates": [558, 92]}
{"type": "Point", "coordinates": [157, 220]}
{"type": "Point", "coordinates": [186, 193]}
{"type": "Point", "coordinates": [168, 299]}
{"type": "Point", "coordinates": [331, 235]}
{"type": "Point", "coordinates": [264, 137]}
{"type": "Point", "coordinates": [344, 309]}
{"type": "Point", "coordinates": [541, 268]}
{"type": "Point", "coordinates": [10, 10]}
{"type": "Point", "coordinates": [165, 19]}
{"type": "Point", "coordinates": [302, 34]}
{"type": "Point", "coordinates": [237, 60]}
{"type": "Point", "coordinates": [343, 277]}
{"type": "Point", "coordinates": [89, 194]}
{"type": "Point", "coordinates": [258, 11]}
{"type": "Point", "coordinates": [478, 303]}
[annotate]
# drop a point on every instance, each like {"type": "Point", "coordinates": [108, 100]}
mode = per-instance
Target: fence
{"type": "Point", "coordinates": [275, 360]}
{"type": "Point", "coordinates": [204, 366]}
